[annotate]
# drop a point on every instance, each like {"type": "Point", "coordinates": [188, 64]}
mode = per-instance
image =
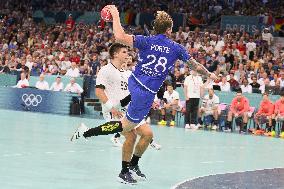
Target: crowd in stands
{"type": "Point", "coordinates": [246, 61]}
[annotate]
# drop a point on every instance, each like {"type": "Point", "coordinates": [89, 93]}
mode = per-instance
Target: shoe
{"type": "Point", "coordinates": [155, 146]}
{"type": "Point", "coordinates": [187, 126]}
{"type": "Point", "coordinates": [172, 123]}
{"type": "Point", "coordinates": [282, 134]}
{"type": "Point", "coordinates": [136, 173]}
{"type": "Point", "coordinates": [267, 134]}
{"type": "Point", "coordinates": [273, 133]}
{"type": "Point", "coordinates": [227, 130]}
{"type": "Point", "coordinates": [258, 132]}
{"type": "Point", "coordinates": [162, 122]}
{"type": "Point", "coordinates": [79, 132]}
{"type": "Point", "coordinates": [199, 126]}
{"type": "Point", "coordinates": [115, 141]}
{"type": "Point", "coordinates": [251, 130]}
{"type": "Point", "coordinates": [214, 127]}
{"type": "Point", "coordinates": [193, 126]}
{"type": "Point", "coordinates": [126, 178]}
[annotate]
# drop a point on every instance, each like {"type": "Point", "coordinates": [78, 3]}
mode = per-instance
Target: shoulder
{"type": "Point", "coordinates": [175, 93]}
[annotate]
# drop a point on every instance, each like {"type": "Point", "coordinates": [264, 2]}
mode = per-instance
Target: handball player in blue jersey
{"type": "Point", "coordinates": [157, 55]}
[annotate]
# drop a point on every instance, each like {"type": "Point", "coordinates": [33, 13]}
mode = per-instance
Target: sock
{"type": "Point", "coordinates": [134, 160]}
{"type": "Point", "coordinates": [151, 141]}
{"type": "Point", "coordinates": [215, 122]}
{"type": "Point", "coordinates": [273, 124]}
{"type": "Point", "coordinates": [117, 135]}
{"type": "Point", "coordinates": [104, 129]}
{"type": "Point", "coordinates": [164, 117]}
{"type": "Point", "coordinates": [245, 126]}
{"type": "Point", "coordinates": [229, 124]}
{"type": "Point", "coordinates": [173, 117]}
{"type": "Point", "coordinates": [125, 167]}
{"type": "Point", "coordinates": [257, 127]}
{"type": "Point", "coordinates": [200, 121]}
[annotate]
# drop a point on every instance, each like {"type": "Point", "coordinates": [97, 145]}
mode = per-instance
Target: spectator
{"type": "Point", "coordinates": [239, 109]}
{"type": "Point", "coordinates": [193, 90]}
{"type": "Point", "coordinates": [73, 71]}
{"type": "Point", "coordinates": [279, 111]}
{"type": "Point", "coordinates": [246, 88]}
{"type": "Point", "coordinates": [57, 85]}
{"type": "Point", "coordinates": [73, 87]}
{"type": "Point", "coordinates": [251, 49]}
{"type": "Point", "coordinates": [23, 82]}
{"type": "Point", "coordinates": [42, 84]}
{"type": "Point", "coordinates": [70, 23]}
{"type": "Point", "coordinates": [255, 86]}
{"type": "Point", "coordinates": [170, 102]}
{"type": "Point", "coordinates": [209, 107]}
{"type": "Point", "coordinates": [265, 115]}
{"type": "Point", "coordinates": [234, 84]}
{"type": "Point", "coordinates": [224, 85]}
{"type": "Point", "coordinates": [95, 64]}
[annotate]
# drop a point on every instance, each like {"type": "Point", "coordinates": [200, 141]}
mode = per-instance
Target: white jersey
{"type": "Point", "coordinates": [115, 85]}
{"type": "Point", "coordinates": [114, 82]}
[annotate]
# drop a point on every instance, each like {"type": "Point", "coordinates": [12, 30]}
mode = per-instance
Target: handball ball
{"type": "Point", "coordinates": [105, 15]}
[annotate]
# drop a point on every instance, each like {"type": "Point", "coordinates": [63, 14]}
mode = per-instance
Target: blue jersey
{"type": "Point", "coordinates": [157, 55]}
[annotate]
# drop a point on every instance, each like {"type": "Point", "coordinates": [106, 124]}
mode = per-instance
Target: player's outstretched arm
{"type": "Point", "coordinates": [119, 33]}
{"type": "Point", "coordinates": [199, 68]}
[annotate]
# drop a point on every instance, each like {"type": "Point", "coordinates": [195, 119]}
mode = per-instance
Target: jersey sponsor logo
{"type": "Point", "coordinates": [110, 127]}
{"type": "Point", "coordinates": [31, 99]}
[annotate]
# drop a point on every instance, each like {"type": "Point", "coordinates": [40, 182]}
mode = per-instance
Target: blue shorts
{"type": "Point", "coordinates": [141, 101]}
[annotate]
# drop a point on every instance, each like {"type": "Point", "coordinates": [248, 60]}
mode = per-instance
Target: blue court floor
{"type": "Point", "coordinates": [36, 152]}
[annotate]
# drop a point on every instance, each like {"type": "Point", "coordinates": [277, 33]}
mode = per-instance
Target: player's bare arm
{"type": "Point", "coordinates": [118, 31]}
{"type": "Point", "coordinates": [100, 93]}
{"type": "Point", "coordinates": [199, 68]}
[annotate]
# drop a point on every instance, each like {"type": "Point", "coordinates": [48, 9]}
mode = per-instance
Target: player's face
{"type": "Point", "coordinates": [122, 55]}
{"type": "Point", "coordinates": [170, 88]}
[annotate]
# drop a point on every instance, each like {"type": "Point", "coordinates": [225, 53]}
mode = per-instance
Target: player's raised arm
{"type": "Point", "coordinates": [119, 33]}
{"type": "Point", "coordinates": [199, 68]}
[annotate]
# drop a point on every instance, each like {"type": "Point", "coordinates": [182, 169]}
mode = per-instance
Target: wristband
{"type": "Point", "coordinates": [108, 105]}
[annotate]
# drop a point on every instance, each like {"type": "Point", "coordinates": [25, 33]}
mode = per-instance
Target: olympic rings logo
{"type": "Point", "coordinates": [31, 100]}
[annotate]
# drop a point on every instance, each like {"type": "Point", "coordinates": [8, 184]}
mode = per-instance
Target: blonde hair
{"type": "Point", "coordinates": [162, 22]}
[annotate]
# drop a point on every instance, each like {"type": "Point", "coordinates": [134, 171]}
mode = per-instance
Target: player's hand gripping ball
{"type": "Point", "coordinates": [106, 15]}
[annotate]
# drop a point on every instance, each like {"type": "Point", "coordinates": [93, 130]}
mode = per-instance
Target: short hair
{"type": "Point", "coordinates": [114, 48]}
{"type": "Point", "coordinates": [162, 22]}
{"type": "Point", "coordinates": [265, 93]}
{"type": "Point", "coordinates": [239, 90]}
{"type": "Point", "coordinates": [282, 93]}
{"type": "Point", "coordinates": [169, 85]}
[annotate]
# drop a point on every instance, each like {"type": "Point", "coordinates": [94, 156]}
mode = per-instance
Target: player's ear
{"type": "Point", "coordinates": [169, 31]}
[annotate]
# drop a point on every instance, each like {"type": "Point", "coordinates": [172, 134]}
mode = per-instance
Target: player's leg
{"type": "Point", "coordinates": [228, 126]}
{"type": "Point", "coordinates": [107, 128]}
{"type": "Point", "coordinates": [146, 136]}
{"type": "Point", "coordinates": [127, 151]}
{"type": "Point", "coordinates": [163, 120]}
{"type": "Point", "coordinates": [174, 111]}
{"type": "Point", "coordinates": [115, 139]}
{"type": "Point", "coordinates": [243, 127]}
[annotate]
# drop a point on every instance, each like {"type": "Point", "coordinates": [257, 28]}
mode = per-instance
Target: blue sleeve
{"type": "Point", "coordinates": [183, 54]}
{"type": "Point", "coordinates": [140, 41]}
